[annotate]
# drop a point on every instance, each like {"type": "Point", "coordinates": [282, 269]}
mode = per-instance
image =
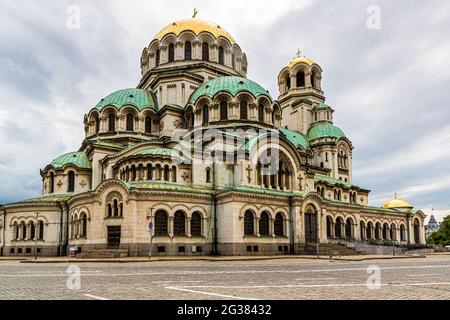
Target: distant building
{"type": "Point", "coordinates": [431, 227]}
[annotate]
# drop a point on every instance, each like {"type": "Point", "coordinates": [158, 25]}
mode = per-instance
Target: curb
{"type": "Point", "coordinates": [218, 259]}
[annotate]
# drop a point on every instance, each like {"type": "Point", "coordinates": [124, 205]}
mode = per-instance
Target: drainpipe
{"type": "Point", "coordinates": [291, 225]}
{"type": "Point", "coordinates": [214, 208]}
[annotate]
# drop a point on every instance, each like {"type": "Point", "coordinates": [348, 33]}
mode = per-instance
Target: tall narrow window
{"type": "Point", "coordinates": [205, 51]}
{"type": "Point", "coordinates": [158, 57]}
{"type": "Point", "coordinates": [112, 122]}
{"type": "Point", "coordinates": [171, 52]}
{"type": "Point", "coordinates": [300, 79]}
{"type": "Point", "coordinates": [313, 79]}
{"type": "Point", "coordinates": [233, 63]}
{"type": "Point", "coordinates": [179, 224]}
{"type": "Point", "coordinates": [174, 174]}
{"type": "Point", "coordinates": [187, 50]}
{"type": "Point", "coordinates": [221, 55]}
{"type": "Point", "coordinates": [261, 113]}
{"type": "Point", "coordinates": [288, 82]}
{"type": "Point", "coordinates": [279, 225]}
{"type": "Point", "coordinates": [71, 184]}
{"type": "Point", "coordinates": [52, 182]}
{"type": "Point", "coordinates": [116, 208]}
{"type": "Point", "coordinates": [205, 115]}
{"type": "Point", "coordinates": [249, 229]}
{"type": "Point", "coordinates": [196, 225]}
{"type": "Point", "coordinates": [24, 231]}
{"type": "Point", "coordinates": [264, 224]}
{"type": "Point", "coordinates": [41, 230]}
{"type": "Point", "coordinates": [32, 231]}
{"type": "Point", "coordinates": [148, 124]}
{"type": "Point", "coordinates": [208, 175]}
{"type": "Point", "coordinates": [161, 223]}
{"type": "Point", "coordinates": [310, 225]}
{"type": "Point", "coordinates": [97, 125]}
{"type": "Point", "coordinates": [130, 122]}
{"type": "Point", "coordinates": [223, 110]}
{"type": "Point", "coordinates": [243, 110]}
{"type": "Point", "coordinates": [166, 173]}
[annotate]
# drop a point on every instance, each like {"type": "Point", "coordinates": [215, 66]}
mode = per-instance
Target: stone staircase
{"type": "Point", "coordinates": [103, 254]}
{"type": "Point", "coordinates": [328, 249]}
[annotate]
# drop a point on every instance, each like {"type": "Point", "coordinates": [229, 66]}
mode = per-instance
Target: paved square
{"type": "Point", "coordinates": [414, 278]}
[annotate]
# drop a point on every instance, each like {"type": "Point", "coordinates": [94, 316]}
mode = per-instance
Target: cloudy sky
{"type": "Point", "coordinates": [390, 86]}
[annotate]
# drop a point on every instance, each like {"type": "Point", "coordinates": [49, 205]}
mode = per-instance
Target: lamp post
{"type": "Point", "coordinates": [35, 235]}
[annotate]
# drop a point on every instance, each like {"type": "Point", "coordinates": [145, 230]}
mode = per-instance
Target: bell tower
{"type": "Point", "coordinates": [300, 89]}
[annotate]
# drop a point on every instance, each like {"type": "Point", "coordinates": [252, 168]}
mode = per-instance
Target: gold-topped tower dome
{"type": "Point", "coordinates": [397, 203]}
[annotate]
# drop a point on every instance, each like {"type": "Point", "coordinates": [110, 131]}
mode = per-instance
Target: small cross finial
{"type": "Point", "coordinates": [195, 13]}
{"type": "Point", "coordinates": [299, 53]}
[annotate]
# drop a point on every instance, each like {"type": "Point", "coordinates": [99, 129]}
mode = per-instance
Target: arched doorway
{"type": "Point", "coordinates": [310, 224]}
{"type": "Point", "coordinates": [329, 227]}
{"type": "Point", "coordinates": [349, 229]}
{"type": "Point", "coordinates": [416, 231]}
{"type": "Point", "coordinates": [338, 228]}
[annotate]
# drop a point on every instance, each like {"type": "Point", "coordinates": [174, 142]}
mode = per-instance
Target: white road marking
{"type": "Point", "coordinates": [175, 281]}
{"type": "Point", "coordinates": [209, 293]}
{"type": "Point", "coordinates": [424, 275]}
{"type": "Point", "coordinates": [302, 279]}
{"type": "Point", "coordinates": [95, 297]}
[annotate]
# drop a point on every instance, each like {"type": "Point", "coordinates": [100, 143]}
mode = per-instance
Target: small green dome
{"type": "Point", "coordinates": [77, 159]}
{"type": "Point", "coordinates": [139, 98]}
{"type": "Point", "coordinates": [231, 84]}
{"type": "Point", "coordinates": [296, 138]}
{"type": "Point", "coordinates": [322, 130]}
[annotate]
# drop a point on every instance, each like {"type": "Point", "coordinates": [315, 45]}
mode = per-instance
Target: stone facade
{"type": "Point", "coordinates": [210, 160]}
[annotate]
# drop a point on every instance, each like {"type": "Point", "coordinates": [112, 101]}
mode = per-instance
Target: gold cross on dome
{"type": "Point", "coordinates": [299, 53]}
{"type": "Point", "coordinates": [195, 13]}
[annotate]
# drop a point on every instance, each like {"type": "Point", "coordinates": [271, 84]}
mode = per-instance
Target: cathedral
{"type": "Point", "coordinates": [200, 160]}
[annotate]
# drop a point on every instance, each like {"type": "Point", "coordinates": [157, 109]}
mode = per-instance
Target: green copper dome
{"type": "Point", "coordinates": [77, 159]}
{"type": "Point", "coordinates": [296, 138]}
{"type": "Point", "coordinates": [139, 98]}
{"type": "Point", "coordinates": [322, 130]}
{"type": "Point", "coordinates": [231, 84]}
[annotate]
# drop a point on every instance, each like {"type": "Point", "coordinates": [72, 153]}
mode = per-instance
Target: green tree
{"type": "Point", "coordinates": [442, 236]}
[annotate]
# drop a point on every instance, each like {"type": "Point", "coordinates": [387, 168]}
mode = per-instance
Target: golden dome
{"type": "Point", "coordinates": [195, 25]}
{"type": "Point", "coordinates": [395, 203]}
{"type": "Point", "coordinates": [299, 60]}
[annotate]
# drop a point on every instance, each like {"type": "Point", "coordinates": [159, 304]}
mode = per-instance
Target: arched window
{"type": "Point", "coordinates": [362, 230]}
{"type": "Point", "coordinates": [385, 231]}
{"type": "Point", "coordinates": [133, 173]}
{"type": "Point", "coordinates": [338, 228]}
{"type": "Point", "coordinates": [110, 211]}
{"type": "Point", "coordinates": [157, 57]}
{"type": "Point", "coordinates": [300, 77]}
{"type": "Point", "coordinates": [148, 124]}
{"type": "Point", "coordinates": [310, 224]}
{"type": "Point", "coordinates": [161, 222]}
{"type": "Point", "coordinates": [24, 231]}
{"type": "Point", "coordinates": [249, 228]}
{"type": "Point", "coordinates": [205, 115]}
{"type": "Point", "coordinates": [205, 51]}
{"type": "Point", "coordinates": [41, 230]}
{"type": "Point", "coordinates": [223, 110]}
{"type": "Point", "coordinates": [83, 219]}
{"type": "Point", "coordinates": [187, 50]}
{"type": "Point", "coordinates": [208, 175]}
{"type": "Point", "coordinates": [279, 225]}
{"type": "Point", "coordinates": [116, 208]}
{"type": "Point", "coordinates": [243, 110]}
{"type": "Point", "coordinates": [288, 82]}
{"type": "Point", "coordinates": [349, 228]}
{"type": "Point", "coordinates": [392, 233]}
{"type": "Point", "coordinates": [32, 231]}
{"type": "Point", "coordinates": [402, 233]}
{"type": "Point", "coordinates": [149, 172]}
{"type": "Point", "coordinates": [130, 122]}
{"type": "Point", "coordinates": [369, 230]}
{"type": "Point", "coordinates": [174, 174]}
{"type": "Point", "coordinates": [196, 225]}
{"type": "Point", "coordinates": [313, 79]}
{"type": "Point", "coordinates": [111, 122]}
{"type": "Point", "coordinates": [166, 173]}
{"type": "Point", "coordinates": [221, 55]}
{"type": "Point", "coordinates": [416, 231]}
{"type": "Point", "coordinates": [171, 52]}
{"type": "Point", "coordinates": [377, 231]}
{"type": "Point", "coordinates": [264, 224]}
{"type": "Point", "coordinates": [179, 224]}
{"type": "Point", "coordinates": [329, 227]}
{"type": "Point", "coordinates": [71, 184]}
{"type": "Point", "coordinates": [261, 112]}
{"type": "Point", "coordinates": [52, 182]}
{"type": "Point", "coordinates": [97, 125]}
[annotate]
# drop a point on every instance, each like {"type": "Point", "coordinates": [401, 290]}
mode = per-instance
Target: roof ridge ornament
{"type": "Point", "coordinates": [195, 13]}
